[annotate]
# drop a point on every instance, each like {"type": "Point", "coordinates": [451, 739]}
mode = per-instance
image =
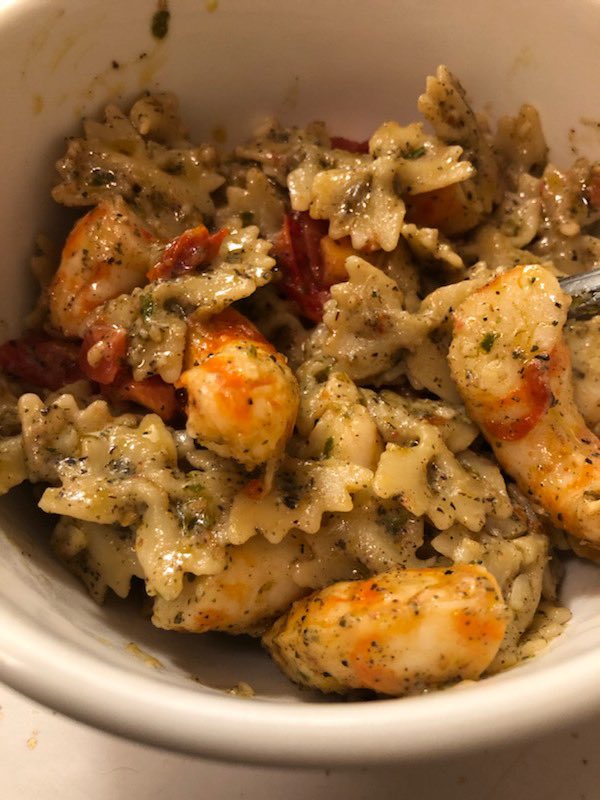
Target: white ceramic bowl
{"type": "Point", "coordinates": [355, 64]}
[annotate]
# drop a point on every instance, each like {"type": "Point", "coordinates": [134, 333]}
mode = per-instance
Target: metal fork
{"type": "Point", "coordinates": [585, 291]}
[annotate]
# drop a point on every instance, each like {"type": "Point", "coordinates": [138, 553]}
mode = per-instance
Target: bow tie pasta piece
{"type": "Point", "coordinates": [368, 338]}
{"type": "Point", "coordinates": [124, 471]}
{"type": "Point", "coordinates": [257, 202]}
{"type": "Point", "coordinates": [301, 493]}
{"type": "Point", "coordinates": [429, 246]}
{"type": "Point", "coordinates": [333, 421]}
{"type": "Point", "coordinates": [102, 556]}
{"type": "Point", "coordinates": [279, 150]}
{"type": "Point", "coordinates": [13, 467]}
{"type": "Point", "coordinates": [419, 467]}
{"type": "Point", "coordinates": [378, 534]}
{"type": "Point", "coordinates": [444, 104]}
{"type": "Point", "coordinates": [363, 196]}
{"type": "Point", "coordinates": [145, 160]}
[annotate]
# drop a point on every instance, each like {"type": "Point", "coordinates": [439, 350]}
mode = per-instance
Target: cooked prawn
{"type": "Point", "coordinates": [512, 367]}
{"type": "Point", "coordinates": [242, 398]}
{"type": "Point", "coordinates": [255, 587]}
{"type": "Point", "coordinates": [397, 633]}
{"type": "Point", "coordinates": [108, 252]}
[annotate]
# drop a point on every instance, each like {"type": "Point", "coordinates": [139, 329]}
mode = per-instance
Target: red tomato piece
{"type": "Point", "coordinates": [255, 488]}
{"type": "Point", "coordinates": [114, 350]}
{"type": "Point", "coordinates": [41, 360]}
{"type": "Point", "coordinates": [351, 145]}
{"type": "Point", "coordinates": [187, 252]}
{"type": "Point", "coordinates": [151, 393]}
{"type": "Point", "coordinates": [298, 253]}
{"type": "Point", "coordinates": [593, 189]}
{"type": "Point", "coordinates": [114, 375]}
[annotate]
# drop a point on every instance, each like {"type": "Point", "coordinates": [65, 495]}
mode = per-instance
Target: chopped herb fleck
{"type": "Point", "coordinates": [147, 306]}
{"type": "Point", "coordinates": [488, 340]}
{"type": "Point", "coordinates": [328, 447]}
{"type": "Point", "coordinates": [393, 519]}
{"type": "Point", "coordinates": [416, 152]}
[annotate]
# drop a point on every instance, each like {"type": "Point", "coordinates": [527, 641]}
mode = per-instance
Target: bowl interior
{"type": "Point", "coordinates": [354, 65]}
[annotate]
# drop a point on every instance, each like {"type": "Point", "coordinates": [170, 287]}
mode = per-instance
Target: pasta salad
{"type": "Point", "coordinates": [318, 390]}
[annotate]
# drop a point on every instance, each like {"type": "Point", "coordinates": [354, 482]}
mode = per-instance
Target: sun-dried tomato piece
{"type": "Point", "coordinates": [593, 188]}
{"type": "Point", "coordinates": [297, 249]}
{"type": "Point", "coordinates": [41, 361]}
{"type": "Point", "coordinates": [351, 145]}
{"type": "Point", "coordinates": [110, 343]}
{"type": "Point", "coordinates": [194, 248]}
{"type": "Point", "coordinates": [151, 393]}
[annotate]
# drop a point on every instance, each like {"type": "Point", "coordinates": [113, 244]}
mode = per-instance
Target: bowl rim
{"type": "Point", "coordinates": [287, 733]}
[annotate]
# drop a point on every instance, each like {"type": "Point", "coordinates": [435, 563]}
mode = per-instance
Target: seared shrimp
{"type": "Point", "coordinates": [513, 370]}
{"type": "Point", "coordinates": [107, 253]}
{"type": "Point", "coordinates": [397, 633]}
{"type": "Point", "coordinates": [255, 587]}
{"type": "Point", "coordinates": [242, 398]}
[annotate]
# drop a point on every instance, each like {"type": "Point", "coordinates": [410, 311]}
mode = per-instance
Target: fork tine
{"type": "Point", "coordinates": [585, 291]}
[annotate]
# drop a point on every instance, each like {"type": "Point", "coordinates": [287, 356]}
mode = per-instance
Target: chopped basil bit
{"type": "Point", "coordinates": [393, 519]}
{"type": "Point", "coordinates": [195, 488]}
{"type": "Point", "coordinates": [488, 341]}
{"type": "Point", "coordinates": [147, 306]}
{"type": "Point", "coordinates": [417, 152]}
{"type": "Point", "coordinates": [328, 447]}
